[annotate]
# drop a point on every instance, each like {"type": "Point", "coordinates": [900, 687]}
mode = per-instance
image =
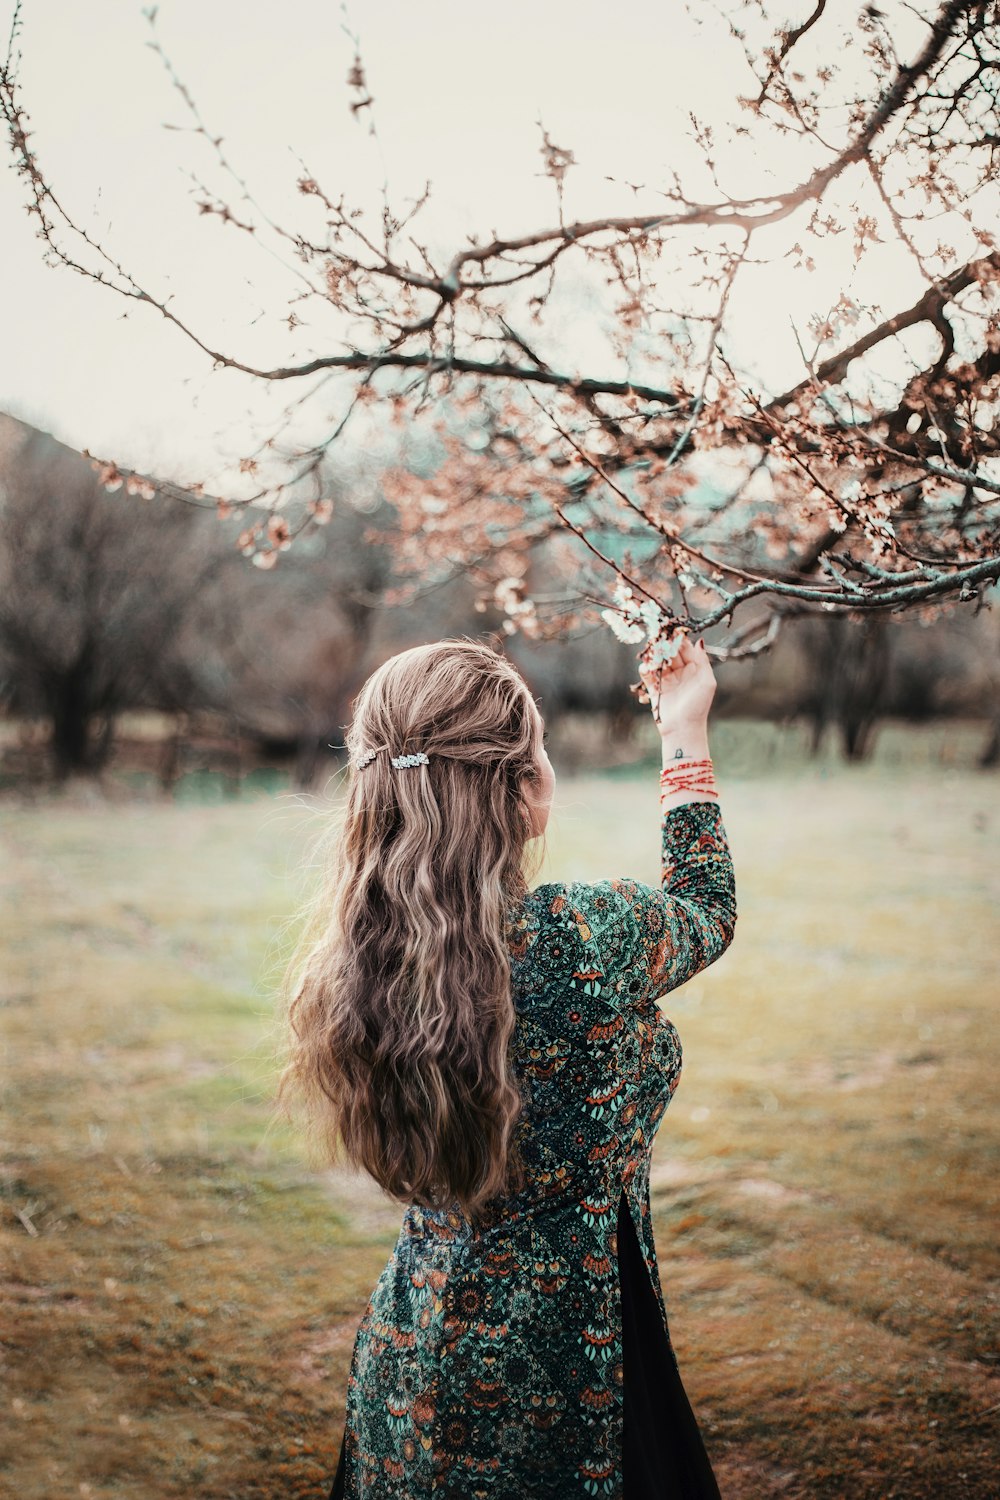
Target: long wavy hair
{"type": "Point", "coordinates": [400, 1005]}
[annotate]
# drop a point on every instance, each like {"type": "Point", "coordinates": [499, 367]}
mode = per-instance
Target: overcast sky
{"type": "Point", "coordinates": [458, 93]}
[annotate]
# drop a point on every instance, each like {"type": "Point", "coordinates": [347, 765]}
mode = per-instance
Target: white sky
{"type": "Point", "coordinates": [457, 97]}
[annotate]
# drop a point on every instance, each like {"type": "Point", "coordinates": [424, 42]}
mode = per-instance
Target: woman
{"type": "Point", "coordinates": [495, 1058]}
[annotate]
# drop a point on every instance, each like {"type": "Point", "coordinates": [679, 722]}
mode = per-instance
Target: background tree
{"type": "Point", "coordinates": [95, 592]}
{"type": "Point", "coordinates": [115, 601]}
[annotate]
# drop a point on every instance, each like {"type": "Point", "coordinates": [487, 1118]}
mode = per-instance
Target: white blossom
{"type": "Point", "coordinates": [663, 649]}
{"type": "Point", "coordinates": [624, 629]}
{"type": "Point", "coordinates": [651, 616]}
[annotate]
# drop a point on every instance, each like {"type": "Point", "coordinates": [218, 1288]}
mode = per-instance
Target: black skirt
{"type": "Point", "coordinates": [663, 1456]}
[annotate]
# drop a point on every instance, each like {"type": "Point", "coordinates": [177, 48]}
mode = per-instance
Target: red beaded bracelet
{"type": "Point", "coordinates": [689, 776]}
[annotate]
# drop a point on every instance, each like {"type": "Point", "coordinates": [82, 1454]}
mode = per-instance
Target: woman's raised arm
{"type": "Point", "coordinates": [696, 863]}
{"type": "Point", "coordinates": [651, 941]}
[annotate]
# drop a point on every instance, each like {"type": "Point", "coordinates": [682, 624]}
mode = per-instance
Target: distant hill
{"type": "Point", "coordinates": [15, 435]}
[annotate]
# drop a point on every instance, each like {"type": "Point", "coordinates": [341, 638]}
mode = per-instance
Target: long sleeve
{"type": "Point", "coordinates": [650, 941]}
{"type": "Point", "coordinates": [699, 886]}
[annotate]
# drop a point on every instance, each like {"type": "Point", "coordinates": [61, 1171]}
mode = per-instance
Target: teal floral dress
{"type": "Point", "coordinates": [489, 1360]}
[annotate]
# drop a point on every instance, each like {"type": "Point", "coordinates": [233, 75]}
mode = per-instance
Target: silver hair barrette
{"type": "Point", "coordinates": [400, 762]}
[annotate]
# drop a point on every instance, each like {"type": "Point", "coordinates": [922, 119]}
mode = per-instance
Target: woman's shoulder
{"type": "Point", "coordinates": [611, 898]}
{"type": "Point", "coordinates": [586, 912]}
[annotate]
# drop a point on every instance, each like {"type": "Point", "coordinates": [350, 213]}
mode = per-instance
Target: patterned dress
{"type": "Point", "coordinates": [489, 1361]}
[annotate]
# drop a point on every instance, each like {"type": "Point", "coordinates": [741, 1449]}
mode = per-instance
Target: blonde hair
{"type": "Point", "coordinates": [401, 1012]}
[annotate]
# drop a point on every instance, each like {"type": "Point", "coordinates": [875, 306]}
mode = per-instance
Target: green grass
{"type": "Point", "coordinates": [182, 1292]}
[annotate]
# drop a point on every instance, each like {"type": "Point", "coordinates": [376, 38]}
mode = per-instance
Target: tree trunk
{"type": "Point", "coordinates": [862, 674]}
{"type": "Point", "coordinates": [172, 751]}
{"type": "Point", "coordinates": [850, 663]}
{"type": "Point", "coordinates": [818, 724]}
{"type": "Point", "coordinates": [79, 744]}
{"type": "Point", "coordinates": [309, 755]}
{"type": "Point", "coordinates": [82, 733]}
{"type": "Point", "coordinates": [990, 756]}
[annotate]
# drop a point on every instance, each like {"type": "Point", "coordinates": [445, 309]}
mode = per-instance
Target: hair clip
{"type": "Point", "coordinates": [402, 761]}
{"type": "Point", "coordinates": [365, 759]}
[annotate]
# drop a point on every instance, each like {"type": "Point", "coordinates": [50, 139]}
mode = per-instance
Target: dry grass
{"type": "Point", "coordinates": [182, 1293]}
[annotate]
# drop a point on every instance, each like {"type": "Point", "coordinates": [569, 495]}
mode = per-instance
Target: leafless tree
{"type": "Point", "coordinates": [95, 591]}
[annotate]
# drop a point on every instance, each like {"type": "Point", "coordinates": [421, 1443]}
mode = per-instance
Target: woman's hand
{"type": "Point", "coordinates": [680, 691]}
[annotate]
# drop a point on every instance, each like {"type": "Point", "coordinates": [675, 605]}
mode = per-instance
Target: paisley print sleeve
{"type": "Point", "coordinates": [650, 941]}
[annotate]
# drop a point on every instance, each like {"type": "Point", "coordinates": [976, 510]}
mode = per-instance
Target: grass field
{"type": "Point", "coordinates": [182, 1292]}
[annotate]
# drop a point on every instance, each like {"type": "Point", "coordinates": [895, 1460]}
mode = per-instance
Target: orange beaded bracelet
{"type": "Point", "coordinates": [689, 776]}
